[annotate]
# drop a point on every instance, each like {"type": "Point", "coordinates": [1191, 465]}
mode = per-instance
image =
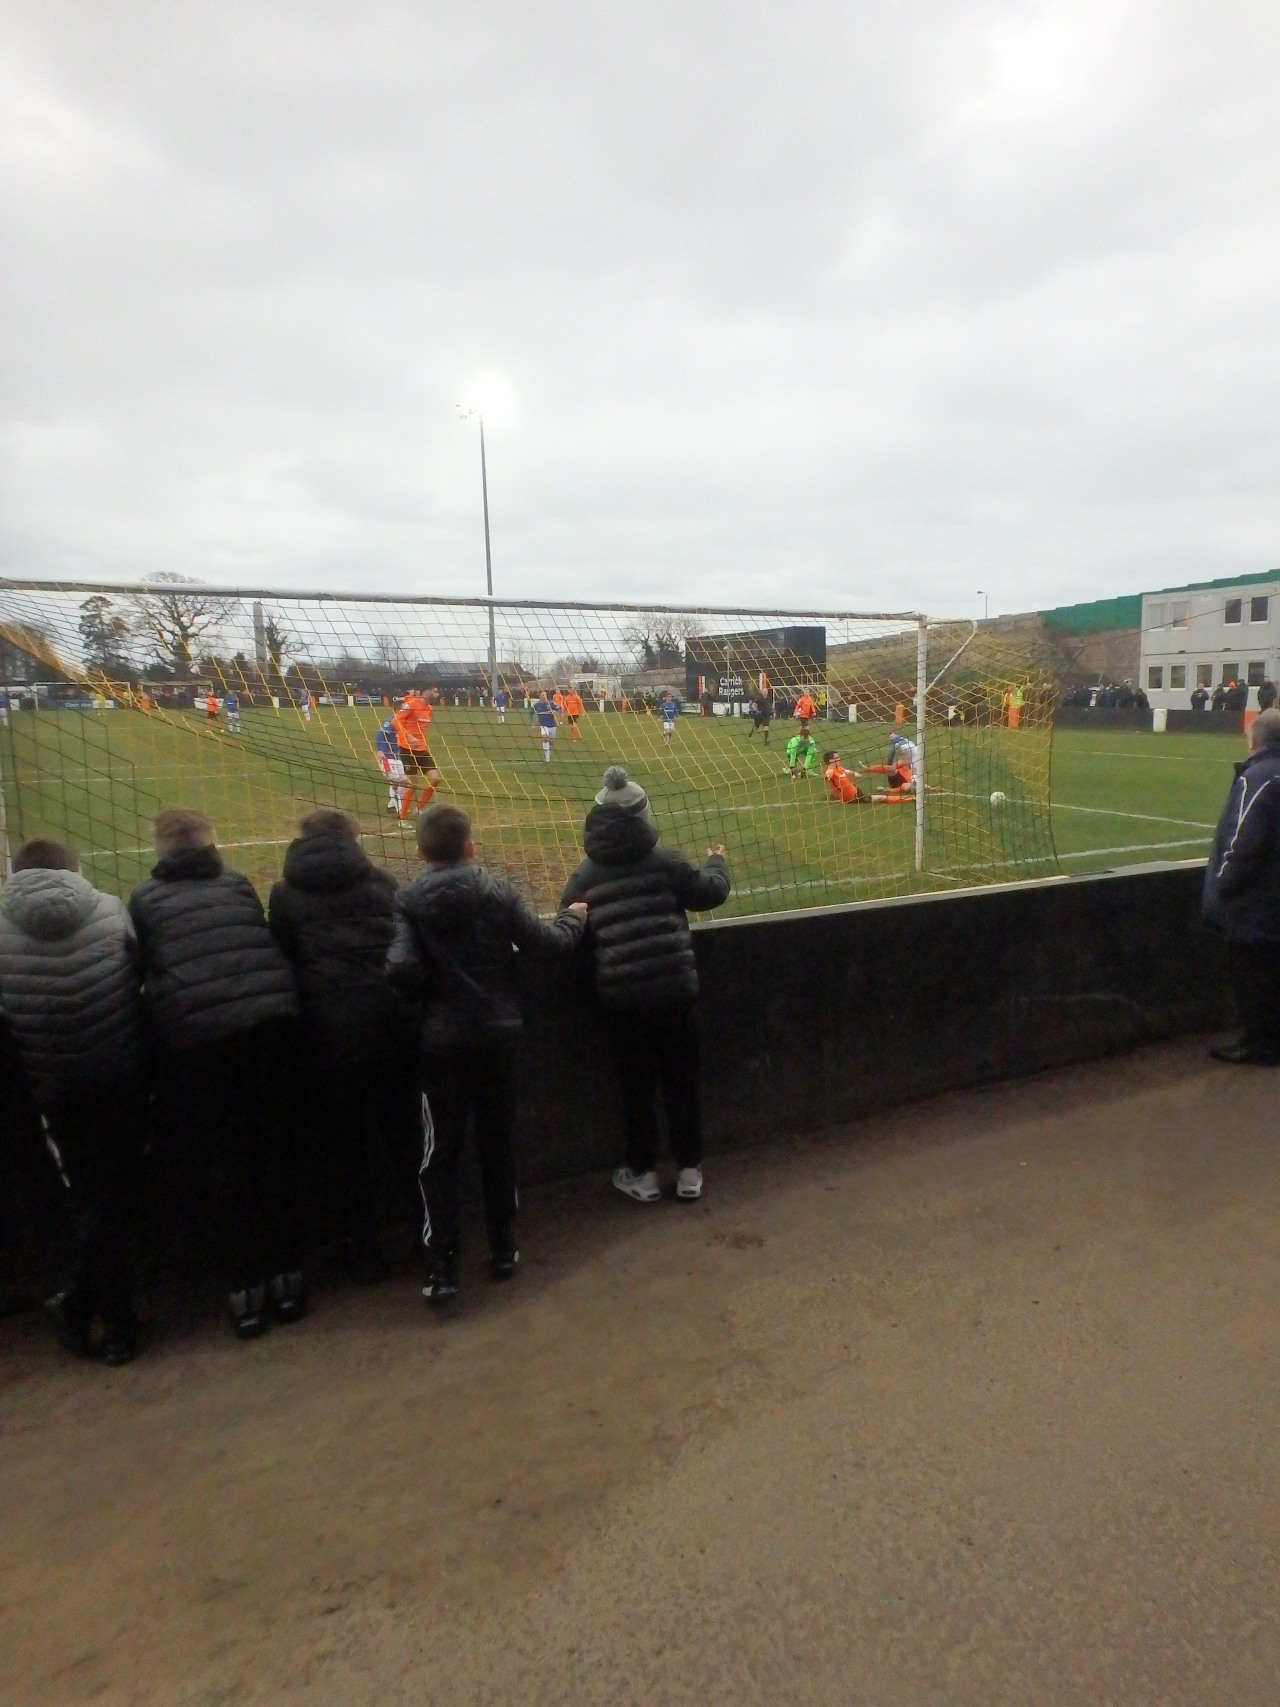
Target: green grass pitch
{"type": "Point", "coordinates": [96, 777]}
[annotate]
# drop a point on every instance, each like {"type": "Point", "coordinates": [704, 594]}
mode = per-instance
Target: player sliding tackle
{"type": "Point", "coordinates": [412, 724]}
{"type": "Point", "coordinates": [900, 774]}
{"type": "Point", "coordinates": [840, 785]}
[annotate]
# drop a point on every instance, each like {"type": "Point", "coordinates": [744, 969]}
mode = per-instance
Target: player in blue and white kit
{"type": "Point", "coordinates": [387, 748]}
{"type": "Point", "coordinates": [500, 704]}
{"type": "Point", "coordinates": [548, 724]}
{"type": "Point", "coordinates": [231, 705]}
{"type": "Point", "coordinates": [669, 710]}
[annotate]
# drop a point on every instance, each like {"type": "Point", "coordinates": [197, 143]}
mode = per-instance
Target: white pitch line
{"type": "Point", "coordinates": [1158, 758]}
{"type": "Point", "coordinates": [1142, 817]}
{"type": "Point", "coordinates": [1137, 847]}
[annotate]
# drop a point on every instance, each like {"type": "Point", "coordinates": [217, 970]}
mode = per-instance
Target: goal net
{"type": "Point", "coordinates": [257, 707]}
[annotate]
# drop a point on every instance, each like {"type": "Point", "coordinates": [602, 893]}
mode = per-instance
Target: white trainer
{"type": "Point", "coordinates": [643, 1187]}
{"type": "Point", "coordinates": [689, 1183]}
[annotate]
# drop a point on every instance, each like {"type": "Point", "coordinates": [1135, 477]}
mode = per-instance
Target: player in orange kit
{"type": "Point", "coordinates": [412, 724]}
{"type": "Point", "coordinates": [805, 708]}
{"type": "Point", "coordinates": [573, 709]}
{"type": "Point", "coordinates": [840, 784]}
{"type": "Point", "coordinates": [899, 773]}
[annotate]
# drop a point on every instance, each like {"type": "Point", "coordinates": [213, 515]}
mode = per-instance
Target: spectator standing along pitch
{"type": "Point", "coordinates": [1242, 895]}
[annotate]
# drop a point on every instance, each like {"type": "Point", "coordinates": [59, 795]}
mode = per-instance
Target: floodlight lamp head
{"type": "Point", "coordinates": [490, 398]}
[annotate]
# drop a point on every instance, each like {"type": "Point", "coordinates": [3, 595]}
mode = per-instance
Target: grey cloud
{"type": "Point", "coordinates": [842, 302]}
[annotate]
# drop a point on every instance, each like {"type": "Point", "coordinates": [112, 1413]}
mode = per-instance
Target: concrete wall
{"type": "Point", "coordinates": [815, 1018]}
{"type": "Point", "coordinates": [1100, 717]}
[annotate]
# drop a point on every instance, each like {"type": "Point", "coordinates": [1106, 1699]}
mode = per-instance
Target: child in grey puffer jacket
{"type": "Point", "coordinates": [69, 989]}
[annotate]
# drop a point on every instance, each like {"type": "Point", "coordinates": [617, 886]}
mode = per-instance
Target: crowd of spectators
{"type": "Point", "coordinates": [242, 1065]}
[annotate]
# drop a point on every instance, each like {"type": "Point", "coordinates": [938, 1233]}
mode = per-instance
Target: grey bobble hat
{"type": "Point", "coordinates": [619, 790]}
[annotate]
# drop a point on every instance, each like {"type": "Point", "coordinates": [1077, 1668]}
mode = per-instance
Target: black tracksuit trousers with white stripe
{"type": "Point", "coordinates": [461, 1088]}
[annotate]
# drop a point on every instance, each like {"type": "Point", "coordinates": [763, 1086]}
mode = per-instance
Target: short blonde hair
{"type": "Point", "coordinates": [178, 828]}
{"type": "Point", "coordinates": [330, 821]}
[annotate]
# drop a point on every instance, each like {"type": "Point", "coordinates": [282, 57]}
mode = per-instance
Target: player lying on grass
{"type": "Point", "coordinates": [899, 773]}
{"type": "Point", "coordinates": [802, 753]}
{"type": "Point", "coordinates": [412, 724]}
{"type": "Point", "coordinates": [840, 784]}
{"type": "Point", "coordinates": [387, 751]}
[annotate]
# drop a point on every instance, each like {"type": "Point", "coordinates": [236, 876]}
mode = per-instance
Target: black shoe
{"type": "Point", "coordinates": [504, 1264]}
{"type": "Point", "coordinates": [71, 1315]}
{"type": "Point", "coordinates": [441, 1285]}
{"type": "Point", "coordinates": [119, 1343]}
{"type": "Point", "coordinates": [1245, 1055]}
{"type": "Point", "coordinates": [248, 1311]}
{"type": "Point", "coordinates": [289, 1296]}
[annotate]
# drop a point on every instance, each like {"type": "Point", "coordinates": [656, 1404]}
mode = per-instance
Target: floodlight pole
{"type": "Point", "coordinates": [922, 694]}
{"type": "Point", "coordinates": [465, 411]}
{"type": "Point", "coordinates": [488, 568]}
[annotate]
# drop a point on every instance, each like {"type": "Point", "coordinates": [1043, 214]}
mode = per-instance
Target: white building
{"type": "Point", "coordinates": [1209, 634]}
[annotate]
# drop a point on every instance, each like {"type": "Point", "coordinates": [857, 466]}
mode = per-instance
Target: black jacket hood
{"type": "Point", "coordinates": [447, 898]}
{"type": "Point", "coordinates": [187, 863]}
{"type": "Point", "coordinates": [615, 836]}
{"type": "Point", "coordinates": [325, 865]}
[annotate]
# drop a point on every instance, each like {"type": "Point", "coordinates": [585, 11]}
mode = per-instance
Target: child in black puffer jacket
{"type": "Point", "coordinates": [646, 974]}
{"type": "Point", "coordinates": [223, 1009]}
{"type": "Point", "coordinates": [331, 913]}
{"type": "Point", "coordinates": [457, 931]}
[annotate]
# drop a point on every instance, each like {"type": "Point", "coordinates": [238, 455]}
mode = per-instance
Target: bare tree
{"type": "Point", "coordinates": [390, 655]}
{"type": "Point", "coordinates": [658, 638]}
{"type": "Point", "coordinates": [525, 654]}
{"type": "Point", "coordinates": [575, 666]}
{"type": "Point", "coordinates": [178, 617]}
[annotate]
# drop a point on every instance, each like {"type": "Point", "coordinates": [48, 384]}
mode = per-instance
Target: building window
{"type": "Point", "coordinates": [1257, 672]}
{"type": "Point", "coordinates": [1230, 673]}
{"type": "Point", "coordinates": [1233, 610]}
{"type": "Point", "coordinates": [1204, 675]}
{"type": "Point", "coordinates": [1156, 616]}
{"type": "Point", "coordinates": [1259, 610]}
{"type": "Point", "coordinates": [1177, 675]}
{"type": "Point", "coordinates": [1155, 675]}
{"type": "Point", "coordinates": [1180, 614]}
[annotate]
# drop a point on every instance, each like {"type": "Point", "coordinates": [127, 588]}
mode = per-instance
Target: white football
{"type": "Point", "coordinates": [998, 799]}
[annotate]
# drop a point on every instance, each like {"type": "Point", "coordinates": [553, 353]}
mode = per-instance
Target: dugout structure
{"type": "Point", "coordinates": [120, 729]}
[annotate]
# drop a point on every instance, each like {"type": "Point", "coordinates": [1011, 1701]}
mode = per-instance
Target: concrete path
{"type": "Point", "coordinates": [976, 1404]}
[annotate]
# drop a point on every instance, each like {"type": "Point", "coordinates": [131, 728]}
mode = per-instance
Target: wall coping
{"type": "Point", "coordinates": [1058, 881]}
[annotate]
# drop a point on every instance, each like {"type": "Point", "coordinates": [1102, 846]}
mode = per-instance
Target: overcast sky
{"type": "Point", "coordinates": [850, 304]}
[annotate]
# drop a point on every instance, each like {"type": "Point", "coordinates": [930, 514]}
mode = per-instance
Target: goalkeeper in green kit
{"type": "Point", "coordinates": [802, 753]}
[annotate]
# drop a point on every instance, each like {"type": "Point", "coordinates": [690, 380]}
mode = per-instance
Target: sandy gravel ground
{"type": "Point", "coordinates": [974, 1404]}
